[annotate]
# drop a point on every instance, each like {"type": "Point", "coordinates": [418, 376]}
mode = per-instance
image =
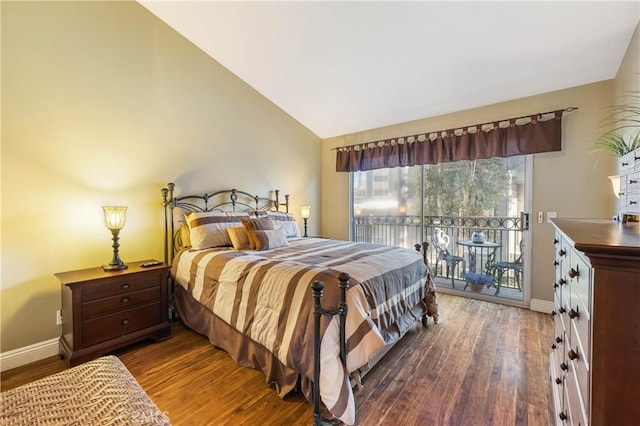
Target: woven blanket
{"type": "Point", "coordinates": [99, 392]}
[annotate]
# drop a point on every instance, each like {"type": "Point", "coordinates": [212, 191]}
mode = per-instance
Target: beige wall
{"type": "Point", "coordinates": [103, 104]}
{"type": "Point", "coordinates": [628, 77]}
{"type": "Point", "coordinates": [572, 182]}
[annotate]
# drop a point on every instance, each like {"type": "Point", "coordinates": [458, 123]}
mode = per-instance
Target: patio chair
{"type": "Point", "coordinates": [440, 241]}
{"type": "Point", "coordinates": [516, 266]}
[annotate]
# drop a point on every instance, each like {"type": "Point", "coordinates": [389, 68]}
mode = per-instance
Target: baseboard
{"type": "Point", "coordinates": [28, 354]}
{"type": "Point", "coordinates": [543, 306]}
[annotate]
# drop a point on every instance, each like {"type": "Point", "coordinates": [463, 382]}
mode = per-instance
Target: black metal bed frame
{"type": "Point", "coordinates": [226, 200]}
{"type": "Point", "coordinates": [235, 200]}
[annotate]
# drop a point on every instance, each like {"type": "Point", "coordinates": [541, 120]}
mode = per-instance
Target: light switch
{"type": "Point", "coordinates": [551, 215]}
{"type": "Point", "coordinates": [540, 216]}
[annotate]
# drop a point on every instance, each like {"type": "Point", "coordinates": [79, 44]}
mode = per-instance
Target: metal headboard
{"type": "Point", "coordinates": [228, 200]}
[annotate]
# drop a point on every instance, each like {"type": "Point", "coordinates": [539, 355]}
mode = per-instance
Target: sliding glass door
{"type": "Point", "coordinates": [470, 212]}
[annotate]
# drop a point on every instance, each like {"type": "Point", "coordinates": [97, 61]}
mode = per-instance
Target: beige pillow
{"type": "Point", "coordinates": [239, 237]}
{"type": "Point", "coordinates": [256, 225]}
{"type": "Point", "coordinates": [269, 239]}
{"type": "Point", "coordinates": [209, 229]}
{"type": "Point", "coordinates": [185, 237]}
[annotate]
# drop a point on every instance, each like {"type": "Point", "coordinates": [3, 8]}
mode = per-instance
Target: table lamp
{"type": "Point", "coordinates": [305, 211]}
{"type": "Point", "coordinates": [114, 219]}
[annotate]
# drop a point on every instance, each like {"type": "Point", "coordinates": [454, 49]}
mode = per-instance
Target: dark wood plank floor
{"type": "Point", "coordinates": [483, 364]}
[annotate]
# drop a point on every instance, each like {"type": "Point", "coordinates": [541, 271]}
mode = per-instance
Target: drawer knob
{"type": "Point", "coordinates": [124, 286]}
{"type": "Point", "coordinates": [574, 273]}
{"type": "Point", "coordinates": [556, 263]}
{"type": "Point", "coordinates": [564, 366]}
{"type": "Point", "coordinates": [555, 285]}
{"type": "Point", "coordinates": [558, 381]}
{"type": "Point", "coordinates": [562, 309]}
{"type": "Point", "coordinates": [554, 313]}
{"type": "Point", "coordinates": [573, 355]}
{"type": "Point", "coordinates": [558, 339]}
{"type": "Point", "coordinates": [632, 181]}
{"type": "Point", "coordinates": [624, 164]}
{"type": "Point", "coordinates": [562, 416]}
{"type": "Point", "coordinates": [125, 322]}
{"type": "Point", "coordinates": [562, 252]}
{"type": "Point", "coordinates": [573, 314]}
{"type": "Point", "coordinates": [556, 241]}
{"type": "Point", "coordinates": [553, 346]}
{"type": "Point", "coordinates": [562, 281]}
{"type": "Point", "coordinates": [125, 300]}
{"type": "Point", "coordinates": [633, 202]}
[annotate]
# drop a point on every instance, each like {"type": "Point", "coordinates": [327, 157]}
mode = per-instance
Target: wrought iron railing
{"type": "Point", "coordinates": [406, 231]}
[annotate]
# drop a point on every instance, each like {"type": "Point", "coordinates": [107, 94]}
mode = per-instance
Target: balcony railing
{"type": "Point", "coordinates": [406, 231]}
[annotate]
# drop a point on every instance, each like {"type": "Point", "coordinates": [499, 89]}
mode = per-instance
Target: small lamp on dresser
{"type": "Point", "coordinates": [615, 185]}
{"type": "Point", "coordinates": [305, 212]}
{"type": "Point", "coordinates": [114, 219]}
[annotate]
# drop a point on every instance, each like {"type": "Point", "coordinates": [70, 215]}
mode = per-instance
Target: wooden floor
{"type": "Point", "coordinates": [483, 364]}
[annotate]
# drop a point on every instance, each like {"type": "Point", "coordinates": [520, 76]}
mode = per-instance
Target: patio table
{"type": "Point", "coordinates": [473, 249]}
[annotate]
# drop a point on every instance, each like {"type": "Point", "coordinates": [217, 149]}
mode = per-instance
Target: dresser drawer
{"type": "Point", "coordinates": [579, 368]}
{"type": "Point", "coordinates": [101, 329]}
{"type": "Point", "coordinates": [633, 183]}
{"type": "Point", "coordinates": [631, 203]}
{"type": "Point", "coordinates": [626, 163]}
{"type": "Point", "coordinates": [579, 275]}
{"type": "Point", "coordinates": [576, 414]}
{"type": "Point", "coordinates": [119, 285]}
{"type": "Point", "coordinates": [120, 302]}
{"type": "Point", "coordinates": [557, 364]}
{"type": "Point", "coordinates": [579, 329]}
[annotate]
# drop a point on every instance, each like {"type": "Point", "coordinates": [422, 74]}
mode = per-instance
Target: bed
{"type": "Point", "coordinates": [243, 276]}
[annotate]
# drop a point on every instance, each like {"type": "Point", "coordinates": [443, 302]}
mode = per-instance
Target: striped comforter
{"type": "Point", "coordinates": [266, 296]}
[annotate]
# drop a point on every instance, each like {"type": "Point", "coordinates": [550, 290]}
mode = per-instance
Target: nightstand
{"type": "Point", "coordinates": [103, 311]}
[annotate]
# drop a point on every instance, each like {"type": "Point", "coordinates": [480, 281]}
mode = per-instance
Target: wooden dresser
{"type": "Point", "coordinates": [595, 357]}
{"type": "Point", "coordinates": [103, 311]}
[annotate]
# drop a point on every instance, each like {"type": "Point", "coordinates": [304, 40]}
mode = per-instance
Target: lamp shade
{"type": "Point", "coordinates": [114, 217]}
{"type": "Point", "coordinates": [305, 211]}
{"type": "Point", "coordinates": [615, 184]}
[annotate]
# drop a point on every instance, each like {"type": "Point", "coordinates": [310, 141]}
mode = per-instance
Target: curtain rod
{"type": "Point", "coordinates": [568, 109]}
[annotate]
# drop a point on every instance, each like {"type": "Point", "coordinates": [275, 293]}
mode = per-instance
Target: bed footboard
{"type": "Point", "coordinates": [318, 311]}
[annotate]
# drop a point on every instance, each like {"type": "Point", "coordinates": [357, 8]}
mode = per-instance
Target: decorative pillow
{"type": "Point", "coordinates": [185, 237]}
{"type": "Point", "coordinates": [239, 237]}
{"type": "Point", "coordinates": [269, 239]}
{"type": "Point", "coordinates": [209, 229]}
{"type": "Point", "coordinates": [262, 223]}
{"type": "Point", "coordinates": [287, 221]}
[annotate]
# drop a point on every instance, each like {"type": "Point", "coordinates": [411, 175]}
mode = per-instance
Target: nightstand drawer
{"type": "Point", "coordinates": [117, 303]}
{"type": "Point", "coordinates": [119, 285]}
{"type": "Point", "coordinates": [108, 327]}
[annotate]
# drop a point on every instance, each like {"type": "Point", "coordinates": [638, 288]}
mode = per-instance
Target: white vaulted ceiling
{"type": "Point", "coordinates": [343, 67]}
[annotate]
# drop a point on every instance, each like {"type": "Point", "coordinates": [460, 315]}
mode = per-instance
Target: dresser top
{"type": "Point", "coordinates": [602, 237]}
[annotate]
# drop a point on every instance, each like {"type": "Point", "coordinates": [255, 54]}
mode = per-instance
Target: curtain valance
{"type": "Point", "coordinates": [505, 138]}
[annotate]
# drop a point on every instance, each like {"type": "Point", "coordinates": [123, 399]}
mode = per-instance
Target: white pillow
{"type": "Point", "coordinates": [286, 221]}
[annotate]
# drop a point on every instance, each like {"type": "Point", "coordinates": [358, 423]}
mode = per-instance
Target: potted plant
{"type": "Point", "coordinates": [621, 127]}
{"type": "Point", "coordinates": [477, 281]}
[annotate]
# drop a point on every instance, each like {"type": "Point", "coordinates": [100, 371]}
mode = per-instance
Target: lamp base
{"type": "Point", "coordinates": [112, 267]}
